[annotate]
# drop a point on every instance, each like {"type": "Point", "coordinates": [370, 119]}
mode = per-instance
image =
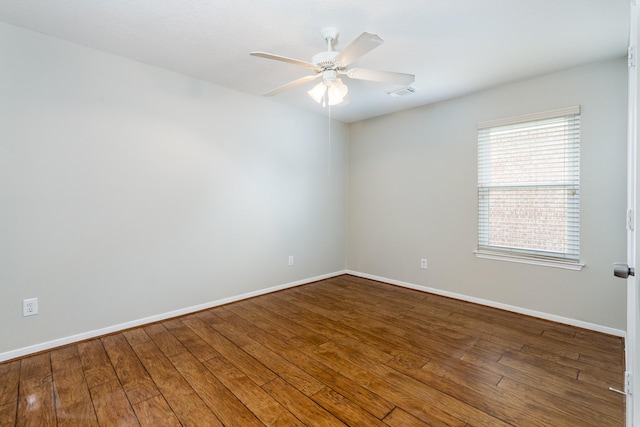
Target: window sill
{"type": "Point", "coordinates": [567, 265]}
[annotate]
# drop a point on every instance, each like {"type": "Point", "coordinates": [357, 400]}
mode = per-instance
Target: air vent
{"type": "Point", "coordinates": [401, 92]}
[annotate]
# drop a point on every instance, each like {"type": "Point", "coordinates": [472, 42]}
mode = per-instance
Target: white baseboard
{"type": "Point", "coordinates": [515, 309]}
{"type": "Point", "coordinates": [25, 351]}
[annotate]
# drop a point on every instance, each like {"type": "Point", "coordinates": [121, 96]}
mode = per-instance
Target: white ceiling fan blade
{"type": "Point", "coordinates": [292, 84]}
{"type": "Point", "coordinates": [284, 59]}
{"type": "Point", "coordinates": [381, 76]}
{"type": "Point", "coordinates": [361, 45]}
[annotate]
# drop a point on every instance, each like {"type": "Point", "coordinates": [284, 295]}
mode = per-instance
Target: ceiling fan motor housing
{"type": "Point", "coordinates": [324, 60]}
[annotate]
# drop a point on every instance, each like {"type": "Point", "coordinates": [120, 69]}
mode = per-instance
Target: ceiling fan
{"type": "Point", "coordinates": [331, 64]}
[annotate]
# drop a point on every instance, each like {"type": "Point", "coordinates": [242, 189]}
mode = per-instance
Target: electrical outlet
{"type": "Point", "coordinates": [423, 263]}
{"type": "Point", "coordinates": [29, 307]}
{"type": "Point", "coordinates": [290, 259]}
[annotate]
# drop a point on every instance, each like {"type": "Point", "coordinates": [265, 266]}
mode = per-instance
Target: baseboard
{"type": "Point", "coordinates": [515, 309]}
{"type": "Point", "coordinates": [25, 351]}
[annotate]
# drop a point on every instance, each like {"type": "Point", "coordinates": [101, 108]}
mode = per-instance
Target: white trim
{"type": "Point", "coordinates": [488, 303]}
{"type": "Point", "coordinates": [21, 352]}
{"type": "Point", "coordinates": [523, 259]}
{"type": "Point", "coordinates": [632, 349]}
{"type": "Point", "coordinates": [543, 115]}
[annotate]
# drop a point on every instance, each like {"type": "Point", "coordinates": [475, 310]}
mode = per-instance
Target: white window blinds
{"type": "Point", "coordinates": [529, 185]}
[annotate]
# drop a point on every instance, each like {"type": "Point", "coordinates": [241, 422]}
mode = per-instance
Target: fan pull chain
{"type": "Point", "coordinates": [329, 147]}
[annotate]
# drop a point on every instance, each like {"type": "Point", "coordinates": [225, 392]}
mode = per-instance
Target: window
{"type": "Point", "coordinates": [529, 188]}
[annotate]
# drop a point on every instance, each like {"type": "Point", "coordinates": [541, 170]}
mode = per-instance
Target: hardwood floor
{"type": "Point", "coordinates": [343, 351]}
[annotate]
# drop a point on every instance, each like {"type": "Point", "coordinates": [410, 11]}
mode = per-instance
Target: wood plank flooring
{"type": "Point", "coordinates": [343, 351]}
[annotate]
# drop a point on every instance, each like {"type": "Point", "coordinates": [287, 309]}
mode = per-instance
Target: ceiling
{"type": "Point", "coordinates": [452, 47]}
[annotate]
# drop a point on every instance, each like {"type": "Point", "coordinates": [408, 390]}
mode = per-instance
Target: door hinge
{"type": "Point", "coordinates": [630, 220]}
{"type": "Point", "coordinates": [631, 56]}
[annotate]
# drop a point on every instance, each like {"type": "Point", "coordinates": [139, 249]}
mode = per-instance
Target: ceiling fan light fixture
{"type": "Point", "coordinates": [336, 92]}
{"type": "Point", "coordinates": [331, 91]}
{"type": "Point", "coordinates": [317, 93]}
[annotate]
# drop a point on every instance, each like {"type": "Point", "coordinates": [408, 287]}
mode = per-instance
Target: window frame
{"type": "Point", "coordinates": [524, 255]}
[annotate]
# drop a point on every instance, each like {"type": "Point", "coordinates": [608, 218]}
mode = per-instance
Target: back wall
{"type": "Point", "coordinates": [413, 195]}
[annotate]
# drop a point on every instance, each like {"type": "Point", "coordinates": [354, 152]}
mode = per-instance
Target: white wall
{"type": "Point", "coordinates": [412, 195]}
{"type": "Point", "coordinates": [127, 191]}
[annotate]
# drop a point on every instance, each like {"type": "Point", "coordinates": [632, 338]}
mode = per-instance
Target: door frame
{"type": "Point", "coordinates": [632, 360]}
